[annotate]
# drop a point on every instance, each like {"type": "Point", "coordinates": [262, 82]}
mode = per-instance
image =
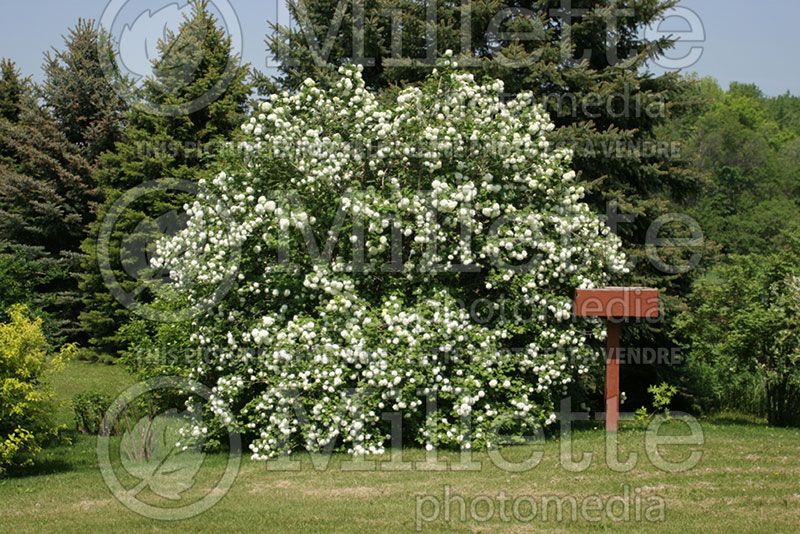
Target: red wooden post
{"type": "Point", "coordinates": [614, 303]}
{"type": "Point", "coordinates": [612, 375]}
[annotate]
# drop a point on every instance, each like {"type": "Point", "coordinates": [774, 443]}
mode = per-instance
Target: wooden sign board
{"type": "Point", "coordinates": [617, 302]}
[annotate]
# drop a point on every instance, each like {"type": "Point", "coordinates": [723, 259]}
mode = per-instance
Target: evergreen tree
{"type": "Point", "coordinates": [606, 107]}
{"type": "Point", "coordinates": [12, 90]}
{"type": "Point", "coordinates": [46, 201]}
{"type": "Point", "coordinates": [78, 93]}
{"type": "Point", "coordinates": [169, 146]}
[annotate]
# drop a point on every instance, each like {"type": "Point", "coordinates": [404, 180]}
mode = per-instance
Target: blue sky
{"type": "Point", "coordinates": [745, 40]}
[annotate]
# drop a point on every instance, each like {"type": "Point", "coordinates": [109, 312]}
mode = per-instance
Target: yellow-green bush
{"type": "Point", "coordinates": [25, 399]}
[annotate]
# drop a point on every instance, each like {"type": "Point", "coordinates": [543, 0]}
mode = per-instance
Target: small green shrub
{"type": "Point", "coordinates": [662, 397]}
{"type": "Point", "coordinates": [90, 408]}
{"type": "Point", "coordinates": [642, 417]}
{"type": "Point", "coordinates": [25, 400]}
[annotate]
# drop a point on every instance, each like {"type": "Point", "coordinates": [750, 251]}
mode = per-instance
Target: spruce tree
{"type": "Point", "coordinates": [46, 202]}
{"type": "Point", "coordinates": [605, 104]}
{"type": "Point", "coordinates": [160, 146]}
{"type": "Point", "coordinates": [78, 93]}
{"type": "Point", "coordinates": [12, 90]}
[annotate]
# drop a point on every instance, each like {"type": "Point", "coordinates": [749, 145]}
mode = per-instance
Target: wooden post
{"type": "Point", "coordinates": [612, 375]}
{"type": "Point", "coordinates": [614, 303]}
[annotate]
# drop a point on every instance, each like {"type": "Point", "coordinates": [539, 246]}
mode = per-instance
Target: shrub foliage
{"type": "Point", "coordinates": [25, 407]}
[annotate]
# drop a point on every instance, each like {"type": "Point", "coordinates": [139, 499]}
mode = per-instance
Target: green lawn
{"type": "Point", "coordinates": [82, 377]}
{"type": "Point", "coordinates": [748, 480]}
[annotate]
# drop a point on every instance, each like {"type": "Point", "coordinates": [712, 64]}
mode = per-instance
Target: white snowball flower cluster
{"type": "Point", "coordinates": [361, 230]}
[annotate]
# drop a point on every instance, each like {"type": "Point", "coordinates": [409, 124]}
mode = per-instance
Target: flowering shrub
{"type": "Point", "coordinates": [412, 252]}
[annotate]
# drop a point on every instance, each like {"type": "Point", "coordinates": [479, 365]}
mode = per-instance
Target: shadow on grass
{"type": "Point", "coordinates": [78, 452]}
{"type": "Point", "coordinates": [43, 466]}
{"type": "Point", "coordinates": [735, 419]}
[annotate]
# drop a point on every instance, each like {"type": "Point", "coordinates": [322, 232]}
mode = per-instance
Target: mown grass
{"type": "Point", "coordinates": [83, 377]}
{"type": "Point", "coordinates": [748, 480]}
